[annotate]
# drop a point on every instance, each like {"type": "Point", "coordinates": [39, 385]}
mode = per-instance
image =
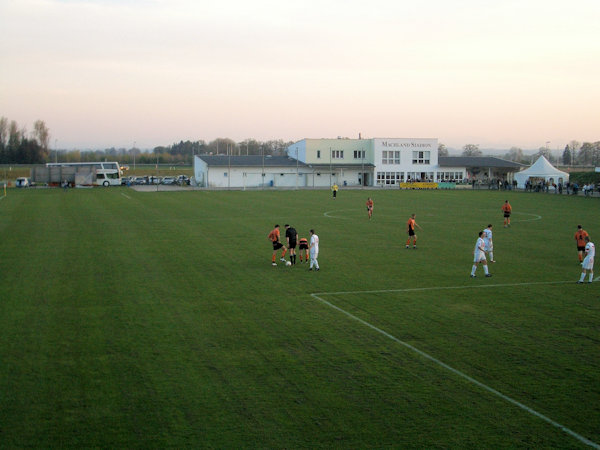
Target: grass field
{"type": "Point", "coordinates": [155, 319]}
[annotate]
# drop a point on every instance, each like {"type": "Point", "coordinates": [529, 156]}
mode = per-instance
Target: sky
{"type": "Point", "coordinates": [119, 73]}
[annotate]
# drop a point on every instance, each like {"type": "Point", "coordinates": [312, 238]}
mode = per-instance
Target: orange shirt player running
{"type": "Point", "coordinates": [507, 209]}
{"type": "Point", "coordinates": [369, 207]}
{"type": "Point", "coordinates": [274, 238]}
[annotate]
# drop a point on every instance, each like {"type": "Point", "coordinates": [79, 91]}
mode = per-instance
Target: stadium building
{"type": "Point", "coordinates": [383, 162]}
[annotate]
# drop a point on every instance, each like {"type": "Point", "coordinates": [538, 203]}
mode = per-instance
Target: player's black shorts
{"type": "Point", "coordinates": [303, 246]}
{"type": "Point", "coordinates": [506, 214]}
{"type": "Point", "coordinates": [292, 243]}
{"type": "Point", "coordinates": [580, 249]}
{"type": "Point", "coordinates": [411, 232]}
{"type": "Point", "coordinates": [277, 245]}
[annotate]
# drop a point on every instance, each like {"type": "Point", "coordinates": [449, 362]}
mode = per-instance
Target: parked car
{"type": "Point", "coordinates": [169, 180]}
{"type": "Point", "coordinates": [183, 180]}
{"type": "Point", "coordinates": [22, 182]}
{"type": "Point", "coordinates": [154, 180]}
{"type": "Point", "coordinates": [126, 181]}
{"type": "Point", "coordinates": [139, 180]}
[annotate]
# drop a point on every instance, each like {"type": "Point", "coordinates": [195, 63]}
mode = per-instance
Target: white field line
{"type": "Point", "coordinates": [442, 288]}
{"type": "Point", "coordinates": [526, 408]}
{"type": "Point", "coordinates": [330, 215]}
{"type": "Point", "coordinates": [125, 195]}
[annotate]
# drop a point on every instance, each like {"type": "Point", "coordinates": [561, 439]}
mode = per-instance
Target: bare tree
{"type": "Point", "coordinates": [3, 132]}
{"type": "Point", "coordinates": [545, 152]}
{"type": "Point", "coordinates": [514, 154]}
{"type": "Point", "coordinates": [442, 150]}
{"type": "Point", "coordinates": [586, 154]}
{"type": "Point", "coordinates": [574, 147]}
{"type": "Point", "coordinates": [471, 150]}
{"type": "Point", "coordinates": [41, 134]}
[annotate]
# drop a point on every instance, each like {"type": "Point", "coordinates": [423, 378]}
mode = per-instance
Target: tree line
{"type": "Point", "coordinates": [179, 153]}
{"type": "Point", "coordinates": [18, 146]}
{"type": "Point", "coordinates": [574, 154]}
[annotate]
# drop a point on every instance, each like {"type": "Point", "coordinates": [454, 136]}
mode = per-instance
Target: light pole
{"type": "Point", "coordinates": [330, 168]}
{"type": "Point", "coordinates": [362, 173]}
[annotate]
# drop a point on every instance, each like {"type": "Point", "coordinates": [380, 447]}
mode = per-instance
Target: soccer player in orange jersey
{"type": "Point", "coordinates": [303, 247]}
{"type": "Point", "coordinates": [274, 236]}
{"type": "Point", "coordinates": [369, 207]}
{"type": "Point", "coordinates": [507, 209]}
{"type": "Point", "coordinates": [580, 236]}
{"type": "Point", "coordinates": [410, 229]}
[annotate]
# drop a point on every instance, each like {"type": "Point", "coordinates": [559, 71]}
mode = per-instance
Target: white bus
{"type": "Point", "coordinates": [98, 173]}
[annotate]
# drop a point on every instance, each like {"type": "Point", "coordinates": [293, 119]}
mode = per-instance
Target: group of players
{"type": "Point", "coordinates": [484, 244]}
{"type": "Point", "coordinates": [309, 250]}
{"type": "Point", "coordinates": [587, 248]}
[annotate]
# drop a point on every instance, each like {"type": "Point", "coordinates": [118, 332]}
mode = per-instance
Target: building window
{"type": "Point", "coordinates": [390, 157]}
{"type": "Point", "coordinates": [420, 157]}
{"type": "Point", "coordinates": [359, 154]}
{"type": "Point", "coordinates": [318, 153]}
{"type": "Point", "coordinates": [337, 154]}
{"type": "Point", "coordinates": [389, 178]}
{"type": "Point", "coordinates": [450, 176]}
{"type": "Point", "coordinates": [225, 174]}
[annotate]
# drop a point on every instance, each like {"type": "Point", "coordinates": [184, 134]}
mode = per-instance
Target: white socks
{"type": "Point", "coordinates": [583, 277]}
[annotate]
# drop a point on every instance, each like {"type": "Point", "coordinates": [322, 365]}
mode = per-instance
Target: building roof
{"type": "Point", "coordinates": [478, 161]}
{"type": "Point", "coordinates": [250, 161]}
{"type": "Point", "coordinates": [340, 166]}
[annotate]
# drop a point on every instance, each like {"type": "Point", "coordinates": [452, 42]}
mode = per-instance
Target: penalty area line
{"type": "Point", "coordinates": [442, 288]}
{"type": "Point", "coordinates": [452, 369]}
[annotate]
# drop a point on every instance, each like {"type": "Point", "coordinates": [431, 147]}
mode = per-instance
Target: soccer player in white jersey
{"type": "Point", "coordinates": [588, 262]}
{"type": "Point", "coordinates": [489, 244]}
{"type": "Point", "coordinates": [314, 250]}
{"type": "Point", "coordinates": [479, 257]}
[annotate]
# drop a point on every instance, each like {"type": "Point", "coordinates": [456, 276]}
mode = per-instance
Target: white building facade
{"type": "Point", "coordinates": [370, 162]}
{"type": "Point", "coordinates": [225, 172]}
{"type": "Point", "coordinates": [399, 160]}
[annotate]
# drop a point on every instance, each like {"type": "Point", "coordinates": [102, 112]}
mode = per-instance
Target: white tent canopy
{"type": "Point", "coordinates": [541, 169]}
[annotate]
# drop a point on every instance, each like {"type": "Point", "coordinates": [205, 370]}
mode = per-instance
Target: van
{"type": "Point", "coordinates": [22, 182]}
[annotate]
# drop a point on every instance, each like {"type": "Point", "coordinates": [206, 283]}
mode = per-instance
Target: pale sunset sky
{"type": "Point", "coordinates": [108, 73]}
